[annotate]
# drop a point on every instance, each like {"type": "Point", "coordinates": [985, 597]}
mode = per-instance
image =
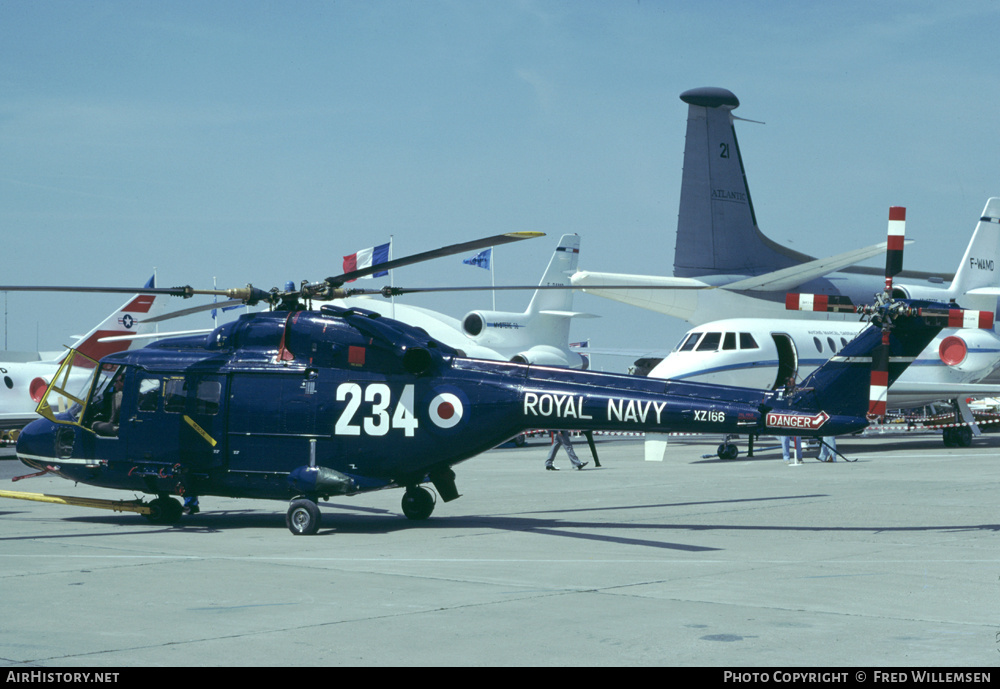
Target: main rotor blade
{"type": "Point", "coordinates": [170, 291]}
{"type": "Point", "coordinates": [496, 240]}
{"type": "Point", "coordinates": [243, 294]}
{"type": "Point", "coordinates": [195, 309]}
{"type": "Point", "coordinates": [400, 291]}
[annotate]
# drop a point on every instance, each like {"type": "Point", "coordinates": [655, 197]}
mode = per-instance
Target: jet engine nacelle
{"type": "Point", "coordinates": [476, 323]}
{"type": "Point", "coordinates": [969, 350]}
{"type": "Point", "coordinates": [545, 355]}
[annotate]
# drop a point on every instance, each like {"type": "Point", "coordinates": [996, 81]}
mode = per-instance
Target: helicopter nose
{"type": "Point", "coordinates": [36, 445]}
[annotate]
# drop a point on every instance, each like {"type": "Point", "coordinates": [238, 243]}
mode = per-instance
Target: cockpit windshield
{"type": "Point", "coordinates": [78, 390]}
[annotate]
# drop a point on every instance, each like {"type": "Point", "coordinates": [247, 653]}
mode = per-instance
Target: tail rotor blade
{"type": "Point", "coordinates": [879, 386]}
{"type": "Point", "coordinates": [958, 318]}
{"type": "Point", "coordinates": [837, 303]}
{"type": "Point", "coordinates": [894, 251]}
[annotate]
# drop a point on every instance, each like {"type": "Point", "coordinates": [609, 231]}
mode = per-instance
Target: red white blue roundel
{"type": "Point", "coordinates": [446, 410]}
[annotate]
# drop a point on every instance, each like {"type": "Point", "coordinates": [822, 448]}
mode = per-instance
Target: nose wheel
{"type": "Point", "coordinates": [164, 510]}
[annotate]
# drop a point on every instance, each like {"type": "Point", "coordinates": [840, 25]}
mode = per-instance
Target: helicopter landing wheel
{"type": "Point", "coordinates": [727, 451]}
{"type": "Point", "coordinates": [303, 517]}
{"type": "Point", "coordinates": [164, 510]}
{"type": "Point", "coordinates": [418, 503]}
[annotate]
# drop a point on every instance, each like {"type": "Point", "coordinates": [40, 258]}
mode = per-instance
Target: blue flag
{"type": "Point", "coordinates": [482, 259]}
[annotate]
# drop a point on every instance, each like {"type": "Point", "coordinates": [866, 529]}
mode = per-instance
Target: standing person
{"type": "Point", "coordinates": [786, 447]}
{"type": "Point", "coordinates": [828, 449]}
{"type": "Point", "coordinates": [786, 440]}
{"type": "Point", "coordinates": [561, 439]}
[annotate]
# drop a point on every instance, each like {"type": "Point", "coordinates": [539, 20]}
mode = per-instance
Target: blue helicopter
{"type": "Point", "coordinates": [305, 405]}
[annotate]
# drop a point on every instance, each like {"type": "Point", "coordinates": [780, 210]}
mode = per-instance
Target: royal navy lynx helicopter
{"type": "Point", "coordinates": [305, 405]}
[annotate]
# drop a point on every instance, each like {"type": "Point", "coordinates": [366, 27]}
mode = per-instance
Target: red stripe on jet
{"type": "Point", "coordinates": [141, 304]}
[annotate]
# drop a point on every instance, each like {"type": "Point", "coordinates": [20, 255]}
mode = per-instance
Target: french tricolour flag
{"type": "Point", "coordinates": [367, 258]}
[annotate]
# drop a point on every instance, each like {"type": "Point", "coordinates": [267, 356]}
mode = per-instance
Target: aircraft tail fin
{"type": "Point", "coordinates": [561, 267]}
{"type": "Point", "coordinates": [981, 263]}
{"type": "Point", "coordinates": [539, 335]}
{"type": "Point", "coordinates": [717, 229]}
{"type": "Point", "coordinates": [128, 319]}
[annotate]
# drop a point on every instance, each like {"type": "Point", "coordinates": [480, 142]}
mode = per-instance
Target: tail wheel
{"type": "Point", "coordinates": [727, 451]}
{"type": "Point", "coordinates": [418, 503]}
{"type": "Point", "coordinates": [303, 517]}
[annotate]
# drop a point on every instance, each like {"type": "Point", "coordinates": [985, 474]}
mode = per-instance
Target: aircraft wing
{"type": "Point", "coordinates": [672, 296]}
{"type": "Point", "coordinates": [569, 314]}
{"type": "Point", "coordinates": [904, 394]}
{"type": "Point", "coordinates": [790, 278]}
{"type": "Point", "coordinates": [985, 291]}
{"type": "Point", "coordinates": [12, 420]}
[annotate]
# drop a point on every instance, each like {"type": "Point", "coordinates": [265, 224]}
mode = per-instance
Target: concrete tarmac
{"type": "Point", "coordinates": [892, 560]}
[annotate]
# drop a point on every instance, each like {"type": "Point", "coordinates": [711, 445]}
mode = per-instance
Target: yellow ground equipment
{"type": "Point", "coordinates": [137, 506]}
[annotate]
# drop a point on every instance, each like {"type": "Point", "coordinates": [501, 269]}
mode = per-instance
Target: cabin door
{"type": "Point", "coordinates": [179, 418]}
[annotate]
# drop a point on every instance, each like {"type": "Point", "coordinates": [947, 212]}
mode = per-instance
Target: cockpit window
{"type": "Point", "coordinates": [207, 400]}
{"type": "Point", "coordinates": [710, 342]}
{"type": "Point", "coordinates": [729, 341]}
{"type": "Point", "coordinates": [149, 394]}
{"type": "Point", "coordinates": [747, 341]}
{"type": "Point", "coordinates": [174, 395]}
{"type": "Point", "coordinates": [104, 410]}
{"type": "Point", "coordinates": [689, 343]}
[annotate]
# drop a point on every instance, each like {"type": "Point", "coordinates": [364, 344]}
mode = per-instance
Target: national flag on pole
{"type": "Point", "coordinates": [482, 259]}
{"type": "Point", "coordinates": [367, 258]}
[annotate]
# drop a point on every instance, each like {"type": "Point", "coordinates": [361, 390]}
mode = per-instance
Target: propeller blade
{"type": "Point", "coordinates": [449, 250]}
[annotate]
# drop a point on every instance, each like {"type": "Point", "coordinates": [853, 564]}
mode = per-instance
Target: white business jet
{"type": "Point", "coordinates": [724, 266]}
{"type": "Point", "coordinates": [538, 335]}
{"type": "Point", "coordinates": [765, 352]}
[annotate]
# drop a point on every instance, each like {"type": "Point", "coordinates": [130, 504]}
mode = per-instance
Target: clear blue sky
{"type": "Point", "coordinates": [260, 141]}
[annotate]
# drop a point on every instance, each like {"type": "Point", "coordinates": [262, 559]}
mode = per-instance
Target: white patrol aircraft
{"type": "Point", "coordinates": [539, 335]}
{"type": "Point", "coordinates": [724, 266]}
{"type": "Point", "coordinates": [765, 352]}
{"type": "Point", "coordinates": [24, 377]}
